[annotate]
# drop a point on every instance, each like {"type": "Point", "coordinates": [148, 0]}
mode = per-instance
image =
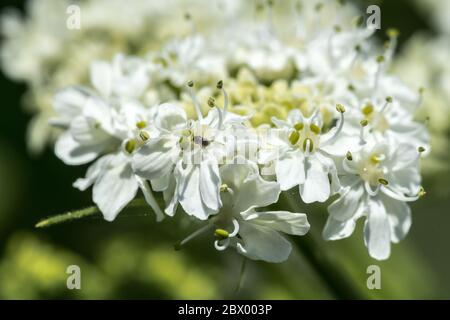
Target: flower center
{"type": "Point", "coordinates": [306, 137]}
{"type": "Point", "coordinates": [370, 169]}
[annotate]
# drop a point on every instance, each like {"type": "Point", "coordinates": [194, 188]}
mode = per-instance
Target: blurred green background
{"type": "Point", "coordinates": [134, 257]}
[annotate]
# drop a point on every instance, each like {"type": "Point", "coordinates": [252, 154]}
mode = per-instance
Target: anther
{"type": "Point", "coordinates": [392, 33]}
{"type": "Point", "coordinates": [190, 84]}
{"type": "Point", "coordinates": [308, 144]}
{"type": "Point", "coordinates": [364, 123]}
{"type": "Point", "coordinates": [349, 156]}
{"type": "Point", "coordinates": [314, 128]}
{"type": "Point", "coordinates": [358, 21]}
{"type": "Point", "coordinates": [144, 135]}
{"type": "Point", "coordinates": [223, 187]}
{"type": "Point", "coordinates": [294, 137]}
{"type": "Point", "coordinates": [299, 126]}
{"type": "Point", "coordinates": [221, 234]}
{"type": "Point", "coordinates": [382, 181]}
{"type": "Point", "coordinates": [130, 145]}
{"type": "Point", "coordinates": [422, 192]}
{"type": "Point", "coordinates": [380, 59]}
{"type": "Point", "coordinates": [389, 99]}
{"type": "Point", "coordinates": [219, 85]}
{"type": "Point", "coordinates": [211, 102]}
{"type": "Point", "coordinates": [141, 124]}
{"type": "Point", "coordinates": [367, 109]}
{"type": "Point", "coordinates": [340, 108]}
{"type": "Point", "coordinates": [421, 149]}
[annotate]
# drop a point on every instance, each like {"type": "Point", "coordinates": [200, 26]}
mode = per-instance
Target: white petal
{"type": "Point", "coordinates": [210, 184]}
{"type": "Point", "coordinates": [170, 117]}
{"type": "Point", "coordinates": [115, 188]}
{"type": "Point", "coordinates": [290, 170]}
{"type": "Point", "coordinates": [346, 206]}
{"type": "Point", "coordinates": [377, 231]}
{"type": "Point", "coordinates": [161, 183]}
{"type": "Point", "coordinates": [156, 158]}
{"type": "Point", "coordinates": [149, 198]}
{"type": "Point", "coordinates": [283, 221]}
{"type": "Point", "coordinates": [101, 77]}
{"type": "Point", "coordinates": [92, 173]}
{"type": "Point", "coordinates": [72, 153]}
{"type": "Point", "coordinates": [262, 243]}
{"type": "Point", "coordinates": [316, 186]}
{"type": "Point", "coordinates": [336, 230]}
{"type": "Point", "coordinates": [85, 132]}
{"type": "Point", "coordinates": [189, 194]}
{"type": "Point", "coordinates": [340, 146]}
{"type": "Point", "coordinates": [399, 214]}
{"type": "Point", "coordinates": [250, 189]}
{"type": "Point", "coordinates": [69, 103]}
{"type": "Point", "coordinates": [171, 197]}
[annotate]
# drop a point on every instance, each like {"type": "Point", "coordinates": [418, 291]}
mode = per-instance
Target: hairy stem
{"type": "Point", "coordinates": [83, 213]}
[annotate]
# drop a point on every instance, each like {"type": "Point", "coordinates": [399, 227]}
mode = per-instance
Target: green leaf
{"type": "Point", "coordinates": [82, 213]}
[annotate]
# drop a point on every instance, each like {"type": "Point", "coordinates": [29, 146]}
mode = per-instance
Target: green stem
{"type": "Point", "coordinates": [336, 278]}
{"type": "Point", "coordinates": [82, 213]}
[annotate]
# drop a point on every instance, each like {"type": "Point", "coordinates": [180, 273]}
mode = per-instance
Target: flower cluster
{"type": "Point", "coordinates": [218, 124]}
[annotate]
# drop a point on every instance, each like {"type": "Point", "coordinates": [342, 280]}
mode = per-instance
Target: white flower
{"type": "Point", "coordinates": [303, 155]}
{"type": "Point", "coordinates": [253, 233]}
{"type": "Point", "coordinates": [192, 151]}
{"type": "Point", "coordinates": [106, 125]}
{"type": "Point", "coordinates": [190, 58]}
{"type": "Point", "coordinates": [385, 119]}
{"type": "Point", "coordinates": [378, 180]}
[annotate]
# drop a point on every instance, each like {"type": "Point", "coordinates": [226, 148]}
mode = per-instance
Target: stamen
{"type": "Point", "coordinates": [211, 102]}
{"type": "Point", "coordinates": [377, 158]}
{"type": "Point", "coordinates": [367, 109]}
{"type": "Point", "coordinates": [299, 126]}
{"type": "Point", "coordinates": [380, 59]}
{"type": "Point", "coordinates": [314, 128]}
{"type": "Point", "coordinates": [349, 156]}
{"type": "Point", "coordinates": [221, 234]}
{"type": "Point", "coordinates": [196, 233]}
{"type": "Point", "coordinates": [222, 247]}
{"type": "Point", "coordinates": [329, 138]}
{"type": "Point", "coordinates": [225, 99]}
{"type": "Point", "coordinates": [144, 135]}
{"type": "Point", "coordinates": [422, 192]}
{"type": "Point", "coordinates": [198, 111]}
{"type": "Point", "coordinates": [308, 146]}
{"type": "Point", "coordinates": [236, 228]}
{"type": "Point", "coordinates": [400, 197]}
{"type": "Point", "coordinates": [294, 137]}
{"type": "Point", "coordinates": [388, 101]}
{"type": "Point", "coordinates": [141, 124]}
{"type": "Point", "coordinates": [369, 189]}
{"type": "Point", "coordinates": [363, 124]}
{"type": "Point", "coordinates": [130, 146]}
